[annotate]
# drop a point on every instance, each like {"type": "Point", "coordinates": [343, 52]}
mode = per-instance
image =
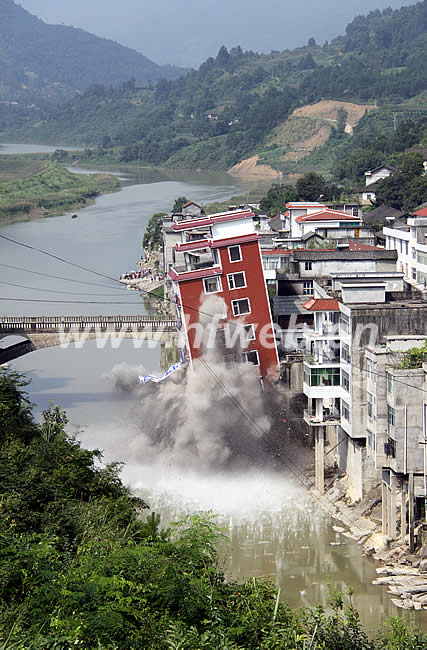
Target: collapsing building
{"type": "Point", "coordinates": [225, 262]}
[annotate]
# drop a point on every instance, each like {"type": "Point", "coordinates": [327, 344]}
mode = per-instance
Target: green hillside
{"type": "Point", "coordinates": [43, 63]}
{"type": "Point", "coordinates": [230, 107]}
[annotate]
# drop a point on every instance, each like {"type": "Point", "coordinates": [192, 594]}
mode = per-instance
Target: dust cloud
{"type": "Point", "coordinates": [205, 418]}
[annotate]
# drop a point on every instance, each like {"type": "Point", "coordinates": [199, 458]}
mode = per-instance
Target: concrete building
{"type": "Point", "coordinates": [372, 178]}
{"type": "Point", "coordinates": [226, 264]}
{"type": "Point", "coordinates": [348, 354]}
{"type": "Point", "coordinates": [408, 236]}
{"type": "Point", "coordinates": [309, 216]}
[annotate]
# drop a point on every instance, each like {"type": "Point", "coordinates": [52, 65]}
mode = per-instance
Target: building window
{"type": "Point", "coordinates": [234, 253]}
{"type": "Point", "coordinates": [345, 323]}
{"type": "Point", "coordinates": [369, 196]}
{"type": "Point", "coordinates": [355, 212]}
{"type": "Point", "coordinates": [308, 288]}
{"type": "Point", "coordinates": [345, 410]}
{"type": "Point", "coordinates": [390, 416]}
{"type": "Point", "coordinates": [251, 357]}
{"type": "Point", "coordinates": [212, 285]}
{"type": "Point", "coordinates": [308, 266]}
{"type": "Point", "coordinates": [406, 247]}
{"type": "Point", "coordinates": [236, 280]}
{"type": "Point", "coordinates": [250, 332]}
{"type": "Point", "coordinates": [370, 369]}
{"type": "Point", "coordinates": [241, 307]}
{"type": "Point", "coordinates": [320, 377]}
{"type": "Point", "coordinates": [370, 405]}
{"type": "Point", "coordinates": [345, 380]}
{"type": "Point", "coordinates": [345, 353]}
{"type": "Point", "coordinates": [390, 448]}
{"type": "Point", "coordinates": [389, 383]}
{"type": "Point", "coordinates": [369, 438]}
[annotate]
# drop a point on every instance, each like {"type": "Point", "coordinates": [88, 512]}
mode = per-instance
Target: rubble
{"type": "Point", "coordinates": [403, 574]}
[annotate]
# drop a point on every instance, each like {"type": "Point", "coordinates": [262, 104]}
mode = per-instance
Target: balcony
{"type": "Point", "coordinates": [322, 380]}
{"type": "Point", "coordinates": [327, 419]}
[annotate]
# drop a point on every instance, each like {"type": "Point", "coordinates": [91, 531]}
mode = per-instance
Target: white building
{"type": "Point", "coordinates": [346, 357]}
{"type": "Point", "coordinates": [409, 238]}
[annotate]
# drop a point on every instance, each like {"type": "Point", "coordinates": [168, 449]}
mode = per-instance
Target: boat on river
{"type": "Point", "coordinates": [74, 216]}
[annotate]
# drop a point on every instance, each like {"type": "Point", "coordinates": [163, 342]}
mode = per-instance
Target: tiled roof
{"type": "Point", "coordinates": [421, 213]}
{"type": "Point", "coordinates": [358, 246]}
{"type": "Point", "coordinates": [185, 205]}
{"type": "Point", "coordinates": [327, 215]}
{"type": "Point", "coordinates": [322, 304]}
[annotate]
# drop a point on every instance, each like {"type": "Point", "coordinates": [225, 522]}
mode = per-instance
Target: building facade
{"type": "Point", "coordinates": [226, 264]}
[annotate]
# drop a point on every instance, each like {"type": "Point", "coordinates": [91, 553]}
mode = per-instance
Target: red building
{"type": "Point", "coordinates": [223, 259]}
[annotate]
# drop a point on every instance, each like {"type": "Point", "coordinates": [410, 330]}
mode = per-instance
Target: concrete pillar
{"type": "Point", "coordinates": [402, 510]}
{"type": "Point", "coordinates": [392, 511]}
{"type": "Point", "coordinates": [319, 459]}
{"type": "Point", "coordinates": [384, 508]}
{"type": "Point", "coordinates": [411, 512]}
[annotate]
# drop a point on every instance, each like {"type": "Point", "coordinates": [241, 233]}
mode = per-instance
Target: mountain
{"type": "Point", "coordinates": [54, 61]}
{"type": "Point", "coordinates": [237, 105]}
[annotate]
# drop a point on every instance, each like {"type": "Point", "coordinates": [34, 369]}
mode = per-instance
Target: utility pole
{"type": "Point", "coordinates": [424, 442]}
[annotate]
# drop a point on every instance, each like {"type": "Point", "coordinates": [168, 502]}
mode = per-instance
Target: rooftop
{"type": "Point", "coordinates": [211, 219]}
{"type": "Point", "coordinates": [327, 215]}
{"type": "Point", "coordinates": [344, 254]}
{"type": "Point", "coordinates": [322, 304]}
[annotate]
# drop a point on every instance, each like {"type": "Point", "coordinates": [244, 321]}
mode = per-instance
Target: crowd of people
{"type": "Point", "coordinates": [144, 272]}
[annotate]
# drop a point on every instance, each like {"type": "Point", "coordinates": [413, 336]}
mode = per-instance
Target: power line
{"type": "Point", "coordinates": [89, 270]}
{"type": "Point", "coordinates": [69, 302]}
{"type": "Point", "coordinates": [55, 277]}
{"type": "Point", "coordinates": [58, 257]}
{"type": "Point", "coordinates": [74, 293]}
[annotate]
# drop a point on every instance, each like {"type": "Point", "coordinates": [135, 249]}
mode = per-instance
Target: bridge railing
{"type": "Point", "coordinates": [8, 323]}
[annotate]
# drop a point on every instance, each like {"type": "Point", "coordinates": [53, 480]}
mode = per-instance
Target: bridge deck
{"type": "Point", "coordinates": [54, 323]}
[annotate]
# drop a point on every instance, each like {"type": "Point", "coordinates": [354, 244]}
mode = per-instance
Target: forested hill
{"type": "Point", "coordinates": [231, 107]}
{"type": "Point", "coordinates": [35, 56]}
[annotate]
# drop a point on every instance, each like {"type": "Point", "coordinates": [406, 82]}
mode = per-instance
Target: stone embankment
{"type": "Point", "coordinates": [404, 573]}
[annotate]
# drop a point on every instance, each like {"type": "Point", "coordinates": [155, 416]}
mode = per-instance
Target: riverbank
{"type": "Point", "coordinates": [50, 191]}
{"type": "Point", "coordinates": [404, 573]}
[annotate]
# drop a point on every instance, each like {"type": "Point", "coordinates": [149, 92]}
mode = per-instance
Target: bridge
{"type": "Point", "coordinates": [48, 331]}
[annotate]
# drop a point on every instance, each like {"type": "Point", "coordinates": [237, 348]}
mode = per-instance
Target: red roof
{"type": "Point", "coordinates": [327, 215]}
{"type": "Point", "coordinates": [322, 304]}
{"type": "Point", "coordinates": [277, 251]}
{"type": "Point", "coordinates": [185, 205]}
{"type": "Point", "coordinates": [193, 245]}
{"type": "Point", "coordinates": [211, 219]}
{"type": "Point", "coordinates": [421, 213]}
{"type": "Point", "coordinates": [358, 246]}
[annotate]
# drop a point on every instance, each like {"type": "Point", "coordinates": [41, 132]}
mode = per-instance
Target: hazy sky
{"type": "Point", "coordinates": [186, 32]}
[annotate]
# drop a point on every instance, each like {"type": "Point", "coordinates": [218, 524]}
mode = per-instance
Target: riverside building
{"type": "Point", "coordinates": [225, 263]}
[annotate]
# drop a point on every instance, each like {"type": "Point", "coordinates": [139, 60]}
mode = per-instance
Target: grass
{"type": "Point", "coordinates": [52, 190]}
{"type": "Point", "coordinates": [13, 168]}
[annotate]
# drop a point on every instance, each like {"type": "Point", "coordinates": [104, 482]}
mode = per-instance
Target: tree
{"type": "Point", "coordinates": [414, 193]}
{"type": "Point", "coordinates": [412, 166]}
{"type": "Point", "coordinates": [341, 119]}
{"type": "Point", "coordinates": [311, 42]}
{"type": "Point", "coordinates": [153, 236]}
{"type": "Point", "coordinates": [223, 56]}
{"type": "Point", "coordinates": [179, 202]}
{"type": "Point", "coordinates": [276, 199]}
{"type": "Point", "coordinates": [311, 187]}
{"type": "Point", "coordinates": [390, 191]}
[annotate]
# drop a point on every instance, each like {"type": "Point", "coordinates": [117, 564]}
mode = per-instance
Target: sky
{"type": "Point", "coordinates": [186, 32]}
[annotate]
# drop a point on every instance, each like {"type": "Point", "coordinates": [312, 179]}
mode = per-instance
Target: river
{"type": "Point", "coordinates": [274, 528]}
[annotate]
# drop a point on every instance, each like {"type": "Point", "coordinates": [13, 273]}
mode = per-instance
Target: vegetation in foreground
{"type": "Point", "coordinates": [52, 190]}
{"type": "Point", "coordinates": [79, 567]}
